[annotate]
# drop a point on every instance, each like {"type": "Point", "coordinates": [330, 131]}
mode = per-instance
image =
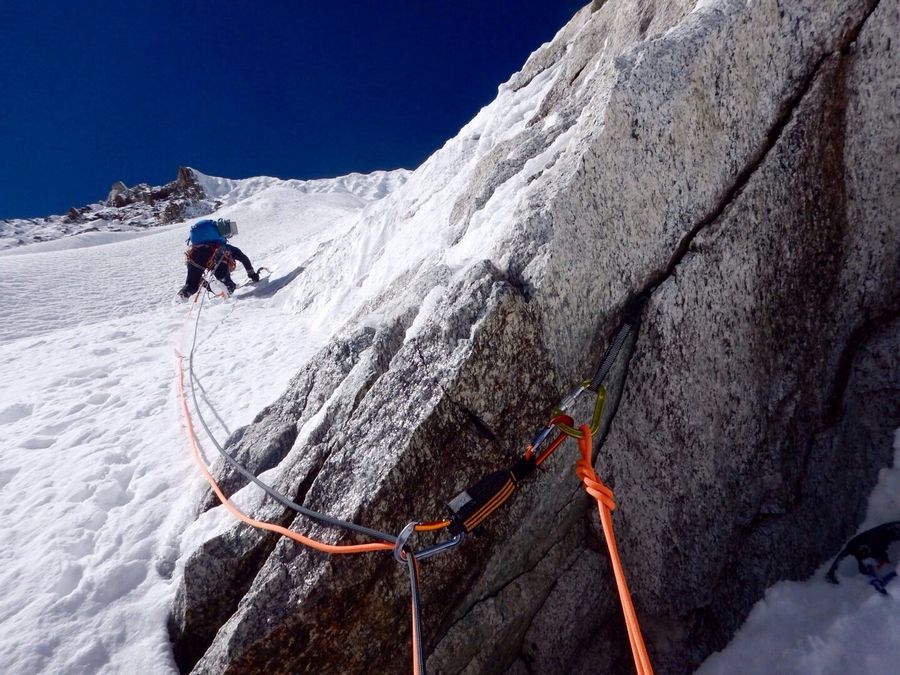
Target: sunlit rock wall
{"type": "Point", "coordinates": [734, 161]}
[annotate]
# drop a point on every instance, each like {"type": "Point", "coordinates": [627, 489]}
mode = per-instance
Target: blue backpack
{"type": "Point", "coordinates": [205, 232]}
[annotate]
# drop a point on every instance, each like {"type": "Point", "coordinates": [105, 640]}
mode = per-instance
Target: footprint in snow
{"type": "Point", "coordinates": [93, 521]}
{"type": "Point", "coordinates": [68, 580]}
{"type": "Point", "coordinates": [115, 458]}
{"type": "Point", "coordinates": [78, 543]}
{"type": "Point", "coordinates": [42, 650]}
{"type": "Point", "coordinates": [86, 436]}
{"type": "Point", "coordinates": [55, 429]}
{"type": "Point", "coordinates": [86, 374]}
{"type": "Point", "coordinates": [102, 351]}
{"type": "Point", "coordinates": [15, 412]}
{"type": "Point", "coordinates": [150, 409]}
{"type": "Point", "coordinates": [6, 475]}
{"type": "Point", "coordinates": [120, 581]}
{"type": "Point", "coordinates": [37, 443]}
{"type": "Point", "coordinates": [110, 495]}
{"type": "Point", "coordinates": [90, 659]}
{"type": "Point", "coordinates": [123, 475]}
{"type": "Point", "coordinates": [78, 407]}
{"type": "Point", "coordinates": [81, 494]}
{"type": "Point", "coordinates": [116, 401]}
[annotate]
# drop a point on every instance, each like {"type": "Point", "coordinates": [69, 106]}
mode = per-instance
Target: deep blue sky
{"type": "Point", "coordinates": [94, 92]}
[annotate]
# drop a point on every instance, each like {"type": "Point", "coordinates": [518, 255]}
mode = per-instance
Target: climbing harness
{"type": "Point", "coordinates": [219, 254]}
{"type": "Point", "coordinates": [469, 508]}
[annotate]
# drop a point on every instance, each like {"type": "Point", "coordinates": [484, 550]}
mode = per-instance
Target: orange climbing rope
{"type": "Point", "coordinates": [237, 513]}
{"type": "Point", "coordinates": [469, 512]}
{"type": "Point", "coordinates": [603, 495]}
{"type": "Point", "coordinates": [418, 665]}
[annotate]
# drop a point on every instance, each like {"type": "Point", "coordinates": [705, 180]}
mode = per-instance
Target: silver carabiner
{"type": "Point", "coordinates": [432, 551]}
{"type": "Point", "coordinates": [402, 538]}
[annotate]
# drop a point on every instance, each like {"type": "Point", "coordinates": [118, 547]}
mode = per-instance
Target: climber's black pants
{"type": "Point", "coordinates": [200, 257]}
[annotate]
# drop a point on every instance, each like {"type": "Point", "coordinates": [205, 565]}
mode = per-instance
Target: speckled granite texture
{"type": "Point", "coordinates": [738, 161]}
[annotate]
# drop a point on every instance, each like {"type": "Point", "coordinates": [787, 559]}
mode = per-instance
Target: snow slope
{"type": "Point", "coordinates": [97, 488]}
{"type": "Point", "coordinates": [96, 484]}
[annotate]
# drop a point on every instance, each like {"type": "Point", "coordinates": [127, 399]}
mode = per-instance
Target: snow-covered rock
{"type": "Point", "coordinates": [191, 195]}
{"type": "Point", "coordinates": [733, 161]}
{"type": "Point", "coordinates": [124, 210]}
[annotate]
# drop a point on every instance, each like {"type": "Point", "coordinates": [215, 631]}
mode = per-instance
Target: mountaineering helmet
{"type": "Point", "coordinates": [227, 228]}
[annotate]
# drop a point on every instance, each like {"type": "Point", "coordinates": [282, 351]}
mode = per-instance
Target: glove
{"type": "Point", "coordinates": [254, 277]}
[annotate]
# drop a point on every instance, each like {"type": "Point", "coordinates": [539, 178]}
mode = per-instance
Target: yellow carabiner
{"type": "Point", "coordinates": [595, 417]}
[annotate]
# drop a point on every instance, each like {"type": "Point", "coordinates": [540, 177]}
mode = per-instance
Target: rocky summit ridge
{"type": "Point", "coordinates": [125, 209]}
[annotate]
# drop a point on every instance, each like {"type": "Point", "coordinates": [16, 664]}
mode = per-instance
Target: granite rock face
{"type": "Point", "coordinates": [734, 161]}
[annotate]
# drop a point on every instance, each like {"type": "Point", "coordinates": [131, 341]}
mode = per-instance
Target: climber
{"type": "Point", "coordinates": [870, 548]}
{"type": "Point", "coordinates": [208, 248]}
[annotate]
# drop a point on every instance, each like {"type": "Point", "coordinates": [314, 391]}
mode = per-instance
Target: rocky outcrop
{"type": "Point", "coordinates": [118, 195]}
{"type": "Point", "coordinates": [734, 161]}
{"type": "Point", "coordinates": [124, 209]}
{"type": "Point", "coordinates": [183, 197]}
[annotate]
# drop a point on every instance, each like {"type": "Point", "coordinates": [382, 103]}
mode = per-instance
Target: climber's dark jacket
{"type": "Point", "coordinates": [199, 256]}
